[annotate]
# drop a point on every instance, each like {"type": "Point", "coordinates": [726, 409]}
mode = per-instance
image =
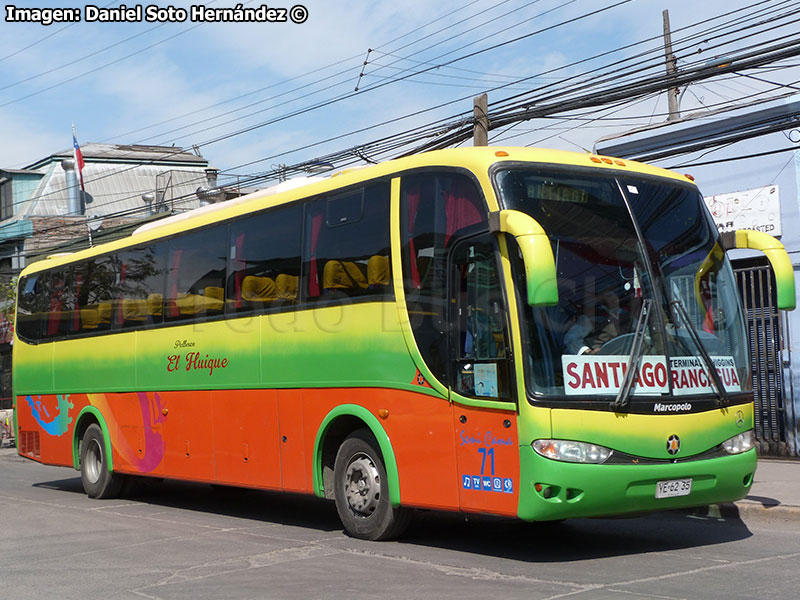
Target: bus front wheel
{"type": "Point", "coordinates": [98, 481]}
{"type": "Point", "coordinates": [361, 491]}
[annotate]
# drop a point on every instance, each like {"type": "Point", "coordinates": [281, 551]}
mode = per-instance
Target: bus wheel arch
{"type": "Point", "coordinates": [88, 416]}
{"type": "Point", "coordinates": [91, 448]}
{"type": "Point", "coordinates": [342, 422]}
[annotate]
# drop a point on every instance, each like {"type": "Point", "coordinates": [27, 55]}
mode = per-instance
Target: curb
{"type": "Point", "coordinates": [748, 509]}
{"type": "Point", "coordinates": [785, 512]}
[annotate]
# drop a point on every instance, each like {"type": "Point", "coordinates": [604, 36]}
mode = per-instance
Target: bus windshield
{"type": "Point", "coordinates": [618, 240]}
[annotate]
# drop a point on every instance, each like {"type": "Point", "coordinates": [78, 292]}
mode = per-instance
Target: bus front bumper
{"type": "Point", "coordinates": [552, 490]}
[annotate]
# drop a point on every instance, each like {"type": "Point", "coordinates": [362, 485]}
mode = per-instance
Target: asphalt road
{"type": "Point", "coordinates": [192, 541]}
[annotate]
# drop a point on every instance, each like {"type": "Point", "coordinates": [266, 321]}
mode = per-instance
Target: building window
{"type": "Point", "coordinates": [6, 199]}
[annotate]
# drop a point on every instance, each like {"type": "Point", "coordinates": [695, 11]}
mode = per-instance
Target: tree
{"type": "Point", "coordinates": [8, 296]}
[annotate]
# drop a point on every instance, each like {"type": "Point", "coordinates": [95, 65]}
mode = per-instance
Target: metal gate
{"type": "Point", "coordinates": [769, 353]}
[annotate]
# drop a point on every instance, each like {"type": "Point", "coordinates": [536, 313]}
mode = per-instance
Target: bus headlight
{"type": "Point", "coordinates": [740, 443]}
{"type": "Point", "coordinates": [570, 451]}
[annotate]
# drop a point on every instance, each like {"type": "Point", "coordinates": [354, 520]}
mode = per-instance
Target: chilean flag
{"type": "Point", "coordinates": [78, 159]}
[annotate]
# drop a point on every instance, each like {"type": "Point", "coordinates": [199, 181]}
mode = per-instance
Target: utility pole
{"type": "Point", "coordinates": [672, 69]}
{"type": "Point", "coordinates": [480, 113]}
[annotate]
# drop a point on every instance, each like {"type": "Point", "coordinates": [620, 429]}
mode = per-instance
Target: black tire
{"type": "Point", "coordinates": [98, 481]}
{"type": "Point", "coordinates": [361, 491]}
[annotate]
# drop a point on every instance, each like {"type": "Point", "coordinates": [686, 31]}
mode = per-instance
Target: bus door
{"type": "Point", "coordinates": [481, 380]}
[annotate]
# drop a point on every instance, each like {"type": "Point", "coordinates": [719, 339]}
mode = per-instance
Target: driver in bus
{"type": "Point", "coordinates": [575, 337]}
{"type": "Point", "coordinates": [607, 319]}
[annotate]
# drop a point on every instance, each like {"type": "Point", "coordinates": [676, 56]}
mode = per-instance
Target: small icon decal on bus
{"type": "Point", "coordinates": [500, 485]}
{"type": "Point", "coordinates": [419, 379]}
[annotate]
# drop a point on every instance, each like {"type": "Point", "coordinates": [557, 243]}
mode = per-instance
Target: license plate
{"type": "Point", "coordinates": [673, 487]}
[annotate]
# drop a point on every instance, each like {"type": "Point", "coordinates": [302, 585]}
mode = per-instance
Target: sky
{"type": "Point", "coordinates": [229, 89]}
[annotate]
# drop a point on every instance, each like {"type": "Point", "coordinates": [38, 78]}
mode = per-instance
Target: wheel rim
{"type": "Point", "coordinates": [93, 461]}
{"type": "Point", "coordinates": [362, 485]}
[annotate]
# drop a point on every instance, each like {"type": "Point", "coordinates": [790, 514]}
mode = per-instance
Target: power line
{"type": "Point", "coordinates": [46, 37]}
{"type": "Point", "coordinates": [329, 139]}
{"type": "Point", "coordinates": [386, 145]}
{"type": "Point", "coordinates": [733, 158]}
{"type": "Point", "coordinates": [342, 72]}
{"type": "Point", "coordinates": [341, 81]}
{"type": "Point", "coordinates": [103, 66]}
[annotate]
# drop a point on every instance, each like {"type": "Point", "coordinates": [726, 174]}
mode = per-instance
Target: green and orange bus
{"type": "Point", "coordinates": [522, 332]}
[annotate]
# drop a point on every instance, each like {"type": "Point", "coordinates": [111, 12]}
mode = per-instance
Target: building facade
{"type": "Point", "coordinates": [42, 206]}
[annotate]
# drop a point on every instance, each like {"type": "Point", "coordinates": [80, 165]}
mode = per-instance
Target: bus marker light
{"type": "Point", "coordinates": [619, 162]}
{"type": "Point", "coordinates": [501, 153]}
{"type": "Point", "coordinates": [608, 161]}
{"type": "Point", "coordinates": [538, 487]}
{"type": "Point", "coordinates": [595, 159]}
{"type": "Point", "coordinates": [689, 177]}
{"type": "Point", "coordinates": [383, 413]}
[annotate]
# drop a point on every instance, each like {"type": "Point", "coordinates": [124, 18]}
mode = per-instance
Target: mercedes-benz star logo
{"type": "Point", "coordinates": [673, 444]}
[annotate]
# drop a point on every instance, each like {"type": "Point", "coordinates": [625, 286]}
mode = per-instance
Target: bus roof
{"type": "Point", "coordinates": [478, 160]}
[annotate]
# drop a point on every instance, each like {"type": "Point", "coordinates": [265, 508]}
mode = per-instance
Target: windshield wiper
{"type": "Point", "coordinates": [623, 398]}
{"type": "Point", "coordinates": [722, 393]}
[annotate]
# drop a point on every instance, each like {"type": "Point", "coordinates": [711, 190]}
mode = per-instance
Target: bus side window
{"type": "Point", "coordinates": [196, 266]}
{"type": "Point", "coordinates": [140, 290]}
{"type": "Point", "coordinates": [33, 306]}
{"type": "Point", "coordinates": [265, 260]}
{"type": "Point", "coordinates": [437, 209]}
{"type": "Point", "coordinates": [480, 336]}
{"type": "Point", "coordinates": [347, 245]}
{"type": "Point", "coordinates": [96, 293]}
{"type": "Point", "coordinates": [60, 309]}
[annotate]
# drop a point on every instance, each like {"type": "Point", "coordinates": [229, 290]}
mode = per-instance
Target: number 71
{"type": "Point", "coordinates": [490, 453]}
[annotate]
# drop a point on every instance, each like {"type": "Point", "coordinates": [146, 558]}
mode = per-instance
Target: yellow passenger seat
{"type": "Point", "coordinates": [190, 304]}
{"type": "Point", "coordinates": [214, 298]}
{"type": "Point", "coordinates": [343, 275]}
{"type": "Point", "coordinates": [378, 270]}
{"type": "Point", "coordinates": [134, 309]}
{"type": "Point", "coordinates": [287, 286]}
{"type": "Point", "coordinates": [155, 305]}
{"type": "Point", "coordinates": [259, 289]}
{"type": "Point", "coordinates": [104, 310]}
{"type": "Point", "coordinates": [90, 317]}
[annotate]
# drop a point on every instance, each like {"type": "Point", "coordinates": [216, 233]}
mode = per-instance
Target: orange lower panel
{"type": "Point", "coordinates": [265, 438]}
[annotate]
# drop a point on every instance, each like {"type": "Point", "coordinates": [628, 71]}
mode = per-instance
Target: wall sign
{"type": "Point", "coordinates": [758, 209]}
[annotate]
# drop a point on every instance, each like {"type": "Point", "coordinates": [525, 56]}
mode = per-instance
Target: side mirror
{"type": "Point", "coordinates": [537, 254]}
{"type": "Point", "coordinates": [778, 259]}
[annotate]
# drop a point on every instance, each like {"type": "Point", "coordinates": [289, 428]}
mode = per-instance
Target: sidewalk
{"type": "Point", "coordinates": [775, 492]}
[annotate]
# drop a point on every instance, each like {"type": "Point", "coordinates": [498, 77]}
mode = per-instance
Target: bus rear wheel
{"type": "Point", "coordinates": [361, 491]}
{"type": "Point", "coordinates": [98, 481]}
